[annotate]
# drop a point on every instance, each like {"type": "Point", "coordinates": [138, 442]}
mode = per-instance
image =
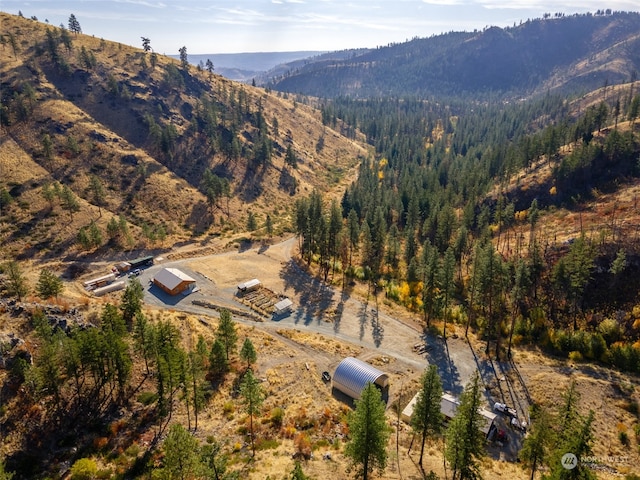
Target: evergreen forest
{"type": "Point", "coordinates": [438, 221]}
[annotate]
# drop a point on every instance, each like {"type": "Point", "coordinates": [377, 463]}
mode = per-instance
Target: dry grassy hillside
{"type": "Point", "coordinates": [609, 210]}
{"type": "Point", "coordinates": [78, 107]}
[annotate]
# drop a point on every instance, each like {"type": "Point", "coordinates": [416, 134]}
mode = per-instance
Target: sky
{"type": "Point", "coordinates": [220, 26]}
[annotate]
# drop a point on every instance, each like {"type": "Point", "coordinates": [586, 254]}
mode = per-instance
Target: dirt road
{"type": "Point", "coordinates": [318, 307]}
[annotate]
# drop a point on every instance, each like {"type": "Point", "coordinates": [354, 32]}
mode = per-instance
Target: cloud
{"type": "Point", "coordinates": [567, 6]}
{"type": "Point", "coordinates": [143, 3]}
{"type": "Point", "coordinates": [445, 3]}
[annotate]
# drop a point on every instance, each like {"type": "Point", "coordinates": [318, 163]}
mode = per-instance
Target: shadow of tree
{"type": "Point", "coordinates": [371, 316]}
{"type": "Point", "coordinates": [244, 245]}
{"type": "Point", "coordinates": [200, 217]}
{"type": "Point", "coordinates": [438, 354]}
{"type": "Point", "coordinates": [251, 185]}
{"type": "Point", "coordinates": [315, 296]}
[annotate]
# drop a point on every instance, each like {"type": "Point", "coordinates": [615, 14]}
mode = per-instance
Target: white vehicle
{"type": "Point", "coordinates": [503, 408]}
{"type": "Point", "coordinates": [519, 425]}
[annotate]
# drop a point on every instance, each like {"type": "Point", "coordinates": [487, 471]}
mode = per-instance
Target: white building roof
{"type": "Point", "coordinates": [448, 406]}
{"type": "Point", "coordinates": [352, 375]}
{"type": "Point", "coordinates": [172, 277]}
{"type": "Point", "coordinates": [249, 284]}
{"type": "Point", "coordinates": [282, 304]}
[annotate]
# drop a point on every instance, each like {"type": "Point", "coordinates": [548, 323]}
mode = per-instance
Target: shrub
{"type": "Point", "coordinates": [147, 398]}
{"type": "Point", "coordinates": [575, 356]}
{"type": "Point", "coordinates": [104, 474]}
{"type": "Point", "coordinates": [597, 347]}
{"type": "Point", "coordinates": [632, 407]}
{"type": "Point", "coordinates": [322, 443]}
{"type": "Point", "coordinates": [303, 445]}
{"type": "Point", "coordinates": [610, 330]}
{"type": "Point", "coordinates": [277, 417]}
{"type": "Point", "coordinates": [289, 431]}
{"type": "Point", "coordinates": [100, 442]}
{"type": "Point", "coordinates": [228, 409]}
{"type": "Point", "coordinates": [267, 444]}
{"type": "Point", "coordinates": [624, 438]}
{"type": "Point", "coordinates": [84, 469]}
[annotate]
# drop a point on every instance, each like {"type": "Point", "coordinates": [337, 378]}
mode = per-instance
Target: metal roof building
{"type": "Point", "coordinates": [448, 407]}
{"type": "Point", "coordinates": [249, 285]}
{"type": "Point", "coordinates": [172, 280]}
{"type": "Point", "coordinates": [352, 375]}
{"type": "Point", "coordinates": [283, 306]}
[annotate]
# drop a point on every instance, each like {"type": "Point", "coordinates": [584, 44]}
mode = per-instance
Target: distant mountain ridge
{"type": "Point", "coordinates": [244, 67]}
{"type": "Point", "coordinates": [561, 53]}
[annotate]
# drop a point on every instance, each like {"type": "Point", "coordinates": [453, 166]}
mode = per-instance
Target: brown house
{"type": "Point", "coordinates": [173, 281]}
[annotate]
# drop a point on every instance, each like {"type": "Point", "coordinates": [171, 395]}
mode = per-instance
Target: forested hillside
{"type": "Point", "coordinates": [576, 53]}
{"type": "Point", "coordinates": [106, 135]}
{"type": "Point", "coordinates": [458, 219]}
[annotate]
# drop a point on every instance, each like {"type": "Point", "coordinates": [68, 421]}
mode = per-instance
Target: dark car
{"type": "Point", "coordinates": [326, 377]}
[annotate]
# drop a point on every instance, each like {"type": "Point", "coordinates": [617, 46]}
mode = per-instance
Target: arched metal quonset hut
{"type": "Point", "coordinates": [352, 375]}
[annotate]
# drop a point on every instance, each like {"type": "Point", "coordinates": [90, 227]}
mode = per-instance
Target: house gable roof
{"type": "Point", "coordinates": [172, 277]}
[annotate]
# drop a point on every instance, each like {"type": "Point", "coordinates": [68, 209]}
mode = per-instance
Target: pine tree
{"type": "Point", "coordinates": [16, 284]}
{"type": "Point", "coordinates": [535, 447]}
{"type": "Point", "coordinates": [184, 59]}
{"type": "Point", "coordinates": [131, 304]}
{"type": "Point", "coordinates": [69, 201]}
{"type": "Point", "coordinates": [97, 193]}
{"type": "Point", "coordinates": [198, 363]}
{"type": "Point", "coordinates": [297, 473]}
{"type": "Point", "coordinates": [226, 332]}
{"type": "Point", "coordinates": [146, 44]}
{"type": "Point", "coordinates": [95, 235]}
{"type": "Point", "coordinates": [209, 67]}
{"type": "Point", "coordinates": [49, 285]}
{"type": "Point", "coordinates": [369, 433]}
{"type": "Point", "coordinates": [165, 345]}
{"type": "Point", "coordinates": [573, 435]}
{"type": "Point", "coordinates": [74, 24]}
{"type": "Point", "coordinates": [248, 353]}
{"type": "Point", "coordinates": [268, 224]}
{"type": "Point", "coordinates": [426, 418]}
{"type": "Point", "coordinates": [353, 229]}
{"type": "Point", "coordinates": [214, 461]}
{"type": "Point", "coordinates": [430, 284]}
{"type": "Point", "coordinates": [465, 441]}
{"type": "Point", "coordinates": [290, 157]}
{"type": "Point", "coordinates": [143, 336]}
{"type": "Point", "coordinates": [5, 199]}
{"type": "Point", "coordinates": [253, 397]}
{"type": "Point", "coordinates": [252, 224]}
{"type": "Point", "coordinates": [181, 459]}
{"type": "Point", "coordinates": [446, 280]}
{"type": "Point", "coordinates": [83, 238]}
{"type": "Point", "coordinates": [218, 362]}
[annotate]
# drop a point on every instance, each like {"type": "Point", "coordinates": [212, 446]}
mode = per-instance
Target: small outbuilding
{"type": "Point", "coordinates": [282, 307]}
{"type": "Point", "coordinates": [173, 281]}
{"type": "Point", "coordinates": [448, 407]}
{"type": "Point", "coordinates": [249, 285]}
{"type": "Point", "coordinates": [352, 375]}
{"type": "Point", "coordinates": [112, 287]}
{"type": "Point", "coordinates": [99, 281]}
